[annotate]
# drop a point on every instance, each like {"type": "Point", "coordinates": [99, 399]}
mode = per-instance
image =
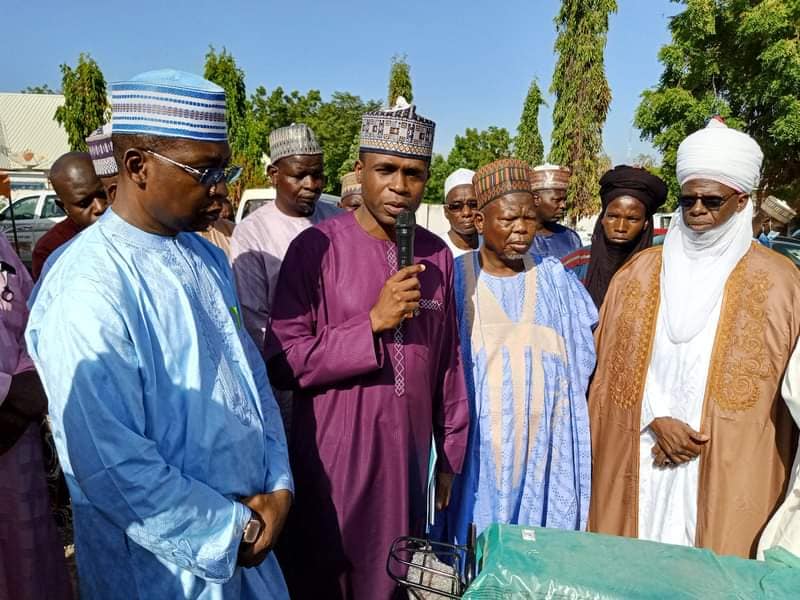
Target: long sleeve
{"type": "Point", "coordinates": [252, 286]}
{"type": "Point", "coordinates": [299, 349]}
{"type": "Point", "coordinates": [14, 358]}
{"type": "Point", "coordinates": [581, 315]}
{"type": "Point", "coordinates": [279, 474]}
{"type": "Point", "coordinates": [451, 404]}
{"type": "Point", "coordinates": [90, 370]}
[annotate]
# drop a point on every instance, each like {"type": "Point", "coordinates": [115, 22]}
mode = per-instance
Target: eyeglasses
{"type": "Point", "coordinates": [710, 202]}
{"type": "Point", "coordinates": [459, 206]}
{"type": "Point", "coordinates": [211, 176]}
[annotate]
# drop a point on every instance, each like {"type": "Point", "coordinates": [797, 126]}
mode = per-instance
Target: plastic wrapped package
{"type": "Point", "coordinates": [528, 562]}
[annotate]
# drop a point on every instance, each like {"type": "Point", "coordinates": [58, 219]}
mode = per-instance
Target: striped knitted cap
{"type": "Point", "coordinates": [501, 177]}
{"type": "Point", "coordinates": [102, 152]}
{"type": "Point", "coordinates": [169, 103]}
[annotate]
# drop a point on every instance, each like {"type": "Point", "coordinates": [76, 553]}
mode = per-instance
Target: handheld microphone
{"type": "Point", "coordinates": [404, 234]}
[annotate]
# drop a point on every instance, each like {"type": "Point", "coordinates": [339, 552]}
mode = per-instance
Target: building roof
{"type": "Point", "coordinates": [30, 138]}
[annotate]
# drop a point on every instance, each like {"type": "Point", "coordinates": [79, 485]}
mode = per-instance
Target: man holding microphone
{"type": "Point", "coordinates": [372, 355]}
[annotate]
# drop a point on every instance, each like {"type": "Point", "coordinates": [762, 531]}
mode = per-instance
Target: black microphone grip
{"type": "Point", "coordinates": [404, 234]}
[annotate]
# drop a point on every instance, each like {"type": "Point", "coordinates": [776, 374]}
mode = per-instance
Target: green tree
{"type": "Point", "coordinates": [582, 97]}
{"type": "Point", "coordinates": [470, 151]}
{"type": "Point", "coordinates": [741, 60]}
{"type": "Point", "coordinates": [243, 130]}
{"type": "Point", "coordinates": [85, 105]}
{"type": "Point", "coordinates": [400, 80]}
{"type": "Point", "coordinates": [437, 173]}
{"type": "Point", "coordinates": [336, 124]}
{"type": "Point", "coordinates": [477, 148]}
{"type": "Point", "coordinates": [528, 145]}
{"type": "Point", "coordinates": [39, 89]}
{"type": "Point", "coordinates": [349, 163]}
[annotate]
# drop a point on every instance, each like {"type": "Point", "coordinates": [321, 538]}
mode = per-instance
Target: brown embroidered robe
{"type": "Point", "coordinates": [744, 468]}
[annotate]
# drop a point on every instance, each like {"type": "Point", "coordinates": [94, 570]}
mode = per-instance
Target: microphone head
{"type": "Point", "coordinates": [406, 219]}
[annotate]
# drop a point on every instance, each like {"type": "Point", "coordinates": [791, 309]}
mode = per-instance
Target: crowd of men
{"type": "Point", "coordinates": [629, 389]}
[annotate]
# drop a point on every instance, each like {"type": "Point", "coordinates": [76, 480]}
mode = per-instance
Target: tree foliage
{"type": "Point", "coordinates": [582, 97]}
{"type": "Point", "coordinates": [335, 122]}
{"type": "Point", "coordinates": [470, 151]}
{"type": "Point", "coordinates": [739, 59]}
{"type": "Point", "coordinates": [400, 80]}
{"type": "Point", "coordinates": [243, 133]}
{"type": "Point", "coordinates": [85, 105]}
{"type": "Point", "coordinates": [528, 145]}
{"type": "Point", "coordinates": [39, 89]}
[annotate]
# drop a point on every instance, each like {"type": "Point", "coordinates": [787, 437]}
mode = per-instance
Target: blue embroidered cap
{"type": "Point", "coordinates": [169, 103]}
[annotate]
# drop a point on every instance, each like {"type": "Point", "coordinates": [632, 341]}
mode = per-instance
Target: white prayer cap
{"type": "Point", "coordinates": [720, 154]}
{"type": "Point", "coordinates": [456, 178]}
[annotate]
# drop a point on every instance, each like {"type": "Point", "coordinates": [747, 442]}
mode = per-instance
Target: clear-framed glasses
{"type": "Point", "coordinates": [210, 176]}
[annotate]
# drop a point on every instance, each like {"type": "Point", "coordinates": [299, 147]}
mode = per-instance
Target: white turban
{"type": "Point", "coordinates": [696, 265]}
{"type": "Point", "coordinates": [456, 178]}
{"type": "Point", "coordinates": [720, 154]}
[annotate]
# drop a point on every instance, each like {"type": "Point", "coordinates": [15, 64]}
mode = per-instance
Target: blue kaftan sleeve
{"type": "Point", "coordinates": [279, 475]}
{"type": "Point", "coordinates": [578, 316]}
{"type": "Point", "coordinates": [581, 314]}
{"type": "Point", "coordinates": [90, 369]}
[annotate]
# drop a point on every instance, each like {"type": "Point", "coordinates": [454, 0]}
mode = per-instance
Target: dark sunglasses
{"type": "Point", "coordinates": [210, 176]}
{"type": "Point", "coordinates": [710, 202]}
{"type": "Point", "coordinates": [459, 206]}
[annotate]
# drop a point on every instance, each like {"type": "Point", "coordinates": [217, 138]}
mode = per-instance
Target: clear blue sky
{"type": "Point", "coordinates": [471, 62]}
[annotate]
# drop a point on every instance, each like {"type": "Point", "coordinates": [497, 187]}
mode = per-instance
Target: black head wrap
{"type": "Point", "coordinates": [607, 258]}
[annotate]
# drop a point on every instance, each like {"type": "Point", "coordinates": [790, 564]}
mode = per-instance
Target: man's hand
{"type": "Point", "coordinates": [444, 485]}
{"type": "Point", "coordinates": [660, 458]}
{"type": "Point", "coordinates": [398, 299]}
{"type": "Point", "coordinates": [272, 508]}
{"type": "Point", "coordinates": [26, 396]}
{"type": "Point", "coordinates": [678, 442]}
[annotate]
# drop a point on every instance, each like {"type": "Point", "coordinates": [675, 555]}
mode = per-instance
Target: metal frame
{"type": "Point", "coordinates": [401, 555]}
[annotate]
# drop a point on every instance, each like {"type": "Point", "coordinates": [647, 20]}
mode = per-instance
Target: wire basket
{"type": "Point", "coordinates": [432, 570]}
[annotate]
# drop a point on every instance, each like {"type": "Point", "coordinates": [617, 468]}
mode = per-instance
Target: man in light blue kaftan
{"type": "Point", "coordinates": [163, 416]}
{"type": "Point", "coordinates": [526, 336]}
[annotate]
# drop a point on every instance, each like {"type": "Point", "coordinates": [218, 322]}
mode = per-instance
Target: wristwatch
{"type": "Point", "coordinates": [252, 528]}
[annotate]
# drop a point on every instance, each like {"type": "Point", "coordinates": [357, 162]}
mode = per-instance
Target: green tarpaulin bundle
{"type": "Point", "coordinates": [530, 562]}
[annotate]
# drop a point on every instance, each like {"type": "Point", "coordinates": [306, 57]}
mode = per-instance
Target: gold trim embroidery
{"type": "Point", "coordinates": [635, 329]}
{"type": "Point", "coordinates": [734, 380]}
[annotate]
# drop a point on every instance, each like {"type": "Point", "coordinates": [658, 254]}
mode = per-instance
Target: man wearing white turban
{"type": "Point", "coordinates": [460, 206]}
{"type": "Point", "coordinates": [692, 442]}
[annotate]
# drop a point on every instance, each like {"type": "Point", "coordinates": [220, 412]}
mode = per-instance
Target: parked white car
{"type": "Point", "coordinates": [34, 215]}
{"type": "Point", "coordinates": [255, 198]}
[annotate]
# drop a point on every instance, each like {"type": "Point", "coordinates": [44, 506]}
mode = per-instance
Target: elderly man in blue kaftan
{"type": "Point", "coordinates": [162, 412]}
{"type": "Point", "coordinates": [526, 339]}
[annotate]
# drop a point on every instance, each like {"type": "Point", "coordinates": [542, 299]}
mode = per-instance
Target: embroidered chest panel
{"type": "Point", "coordinates": [740, 362]}
{"type": "Point", "coordinates": [635, 329]}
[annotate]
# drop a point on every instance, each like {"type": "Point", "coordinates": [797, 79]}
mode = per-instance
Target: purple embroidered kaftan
{"type": "Point", "coordinates": [366, 405]}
